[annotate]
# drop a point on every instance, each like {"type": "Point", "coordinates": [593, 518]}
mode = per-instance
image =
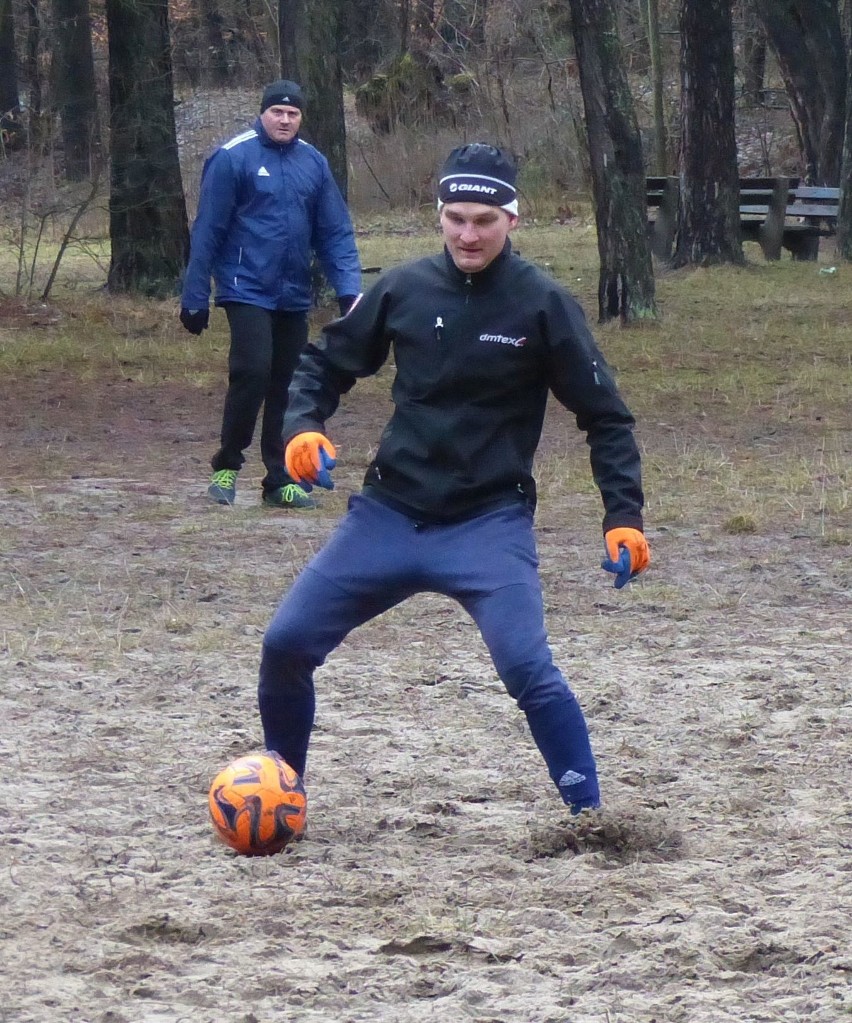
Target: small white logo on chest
{"type": "Point", "coordinates": [263, 173]}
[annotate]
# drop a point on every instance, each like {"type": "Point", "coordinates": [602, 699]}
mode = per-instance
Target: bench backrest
{"type": "Point", "coordinates": [814, 201]}
{"type": "Point", "coordinates": [758, 194]}
{"type": "Point", "coordinates": [655, 186]}
{"type": "Point", "coordinates": [816, 193]}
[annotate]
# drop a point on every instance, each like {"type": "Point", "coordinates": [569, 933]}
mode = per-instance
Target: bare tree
{"type": "Point", "coordinates": [844, 213]}
{"type": "Point", "coordinates": [11, 131]}
{"type": "Point", "coordinates": [217, 48]}
{"type": "Point", "coordinates": [652, 14]}
{"type": "Point", "coordinates": [626, 279]}
{"type": "Point", "coordinates": [309, 38]}
{"type": "Point", "coordinates": [76, 94]}
{"type": "Point", "coordinates": [754, 54]}
{"type": "Point", "coordinates": [708, 215]}
{"type": "Point", "coordinates": [148, 223]}
{"type": "Point", "coordinates": [33, 72]}
{"type": "Point", "coordinates": [808, 42]}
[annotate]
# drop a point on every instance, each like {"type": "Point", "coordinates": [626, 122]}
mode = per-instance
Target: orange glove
{"type": "Point", "coordinates": [309, 457]}
{"type": "Point", "coordinates": [627, 554]}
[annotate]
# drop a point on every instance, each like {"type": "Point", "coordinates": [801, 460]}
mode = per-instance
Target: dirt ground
{"type": "Point", "coordinates": [441, 878]}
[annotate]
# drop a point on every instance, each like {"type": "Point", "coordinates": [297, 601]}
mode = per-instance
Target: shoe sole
{"type": "Point", "coordinates": [220, 498]}
{"type": "Point", "coordinates": [289, 507]}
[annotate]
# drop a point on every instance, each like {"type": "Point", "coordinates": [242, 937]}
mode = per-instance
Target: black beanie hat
{"type": "Point", "coordinates": [479, 173]}
{"type": "Point", "coordinates": [283, 93]}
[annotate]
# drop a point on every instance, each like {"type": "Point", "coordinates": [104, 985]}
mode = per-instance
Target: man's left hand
{"type": "Point", "coordinates": [345, 303]}
{"type": "Point", "coordinates": [628, 554]}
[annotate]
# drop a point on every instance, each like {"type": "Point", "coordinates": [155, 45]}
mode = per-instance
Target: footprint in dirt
{"type": "Point", "coordinates": [621, 838]}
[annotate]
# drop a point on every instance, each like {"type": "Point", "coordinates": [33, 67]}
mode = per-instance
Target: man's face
{"type": "Point", "coordinates": [475, 233]}
{"type": "Point", "coordinates": [281, 123]}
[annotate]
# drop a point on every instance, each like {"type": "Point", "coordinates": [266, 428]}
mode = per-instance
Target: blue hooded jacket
{"type": "Point", "coordinates": [263, 209]}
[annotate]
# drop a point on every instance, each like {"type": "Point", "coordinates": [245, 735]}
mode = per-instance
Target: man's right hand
{"type": "Point", "coordinates": [309, 457]}
{"type": "Point", "coordinates": [195, 320]}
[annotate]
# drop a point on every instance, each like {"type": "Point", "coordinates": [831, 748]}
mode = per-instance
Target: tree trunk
{"type": "Point", "coordinates": [75, 86]}
{"type": "Point", "coordinates": [844, 213]}
{"type": "Point", "coordinates": [37, 128]}
{"type": "Point", "coordinates": [217, 47]}
{"type": "Point", "coordinates": [148, 222]}
{"type": "Point", "coordinates": [11, 129]}
{"type": "Point", "coordinates": [626, 279]}
{"type": "Point", "coordinates": [309, 37]}
{"type": "Point", "coordinates": [808, 42]}
{"type": "Point", "coordinates": [754, 57]}
{"type": "Point", "coordinates": [708, 215]}
{"type": "Point", "coordinates": [652, 13]}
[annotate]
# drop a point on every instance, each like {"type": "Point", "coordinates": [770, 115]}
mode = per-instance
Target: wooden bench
{"type": "Point", "coordinates": [775, 212]}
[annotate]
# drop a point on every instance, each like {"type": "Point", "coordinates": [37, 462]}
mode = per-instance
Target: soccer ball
{"type": "Point", "coordinates": [258, 804]}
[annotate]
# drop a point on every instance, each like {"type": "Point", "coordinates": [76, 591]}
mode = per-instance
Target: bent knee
{"type": "Point", "coordinates": [293, 637]}
{"type": "Point", "coordinates": [534, 684]}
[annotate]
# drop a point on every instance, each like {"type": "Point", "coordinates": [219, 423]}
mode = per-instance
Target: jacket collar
{"type": "Point", "coordinates": [482, 278]}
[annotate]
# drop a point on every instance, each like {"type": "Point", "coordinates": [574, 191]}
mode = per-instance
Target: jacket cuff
{"type": "Point", "coordinates": [622, 521]}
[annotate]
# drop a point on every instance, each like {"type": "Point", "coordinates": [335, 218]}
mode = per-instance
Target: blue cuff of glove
{"type": "Point", "coordinates": [324, 475]}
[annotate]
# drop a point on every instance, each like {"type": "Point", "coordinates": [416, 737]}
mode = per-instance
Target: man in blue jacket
{"type": "Point", "coordinates": [479, 338]}
{"type": "Point", "coordinates": [268, 200]}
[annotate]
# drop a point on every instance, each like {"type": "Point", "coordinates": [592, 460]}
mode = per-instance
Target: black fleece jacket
{"type": "Point", "coordinates": [475, 356]}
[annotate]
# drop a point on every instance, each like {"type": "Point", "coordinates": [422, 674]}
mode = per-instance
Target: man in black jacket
{"type": "Point", "coordinates": [479, 338]}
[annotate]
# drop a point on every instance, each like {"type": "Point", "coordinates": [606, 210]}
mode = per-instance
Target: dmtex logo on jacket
{"type": "Point", "coordinates": [501, 339]}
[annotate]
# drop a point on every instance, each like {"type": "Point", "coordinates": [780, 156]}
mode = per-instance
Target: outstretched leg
{"type": "Point", "coordinates": [511, 623]}
{"type": "Point", "coordinates": [503, 596]}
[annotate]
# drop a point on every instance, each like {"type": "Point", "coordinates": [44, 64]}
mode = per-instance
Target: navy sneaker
{"type": "Point", "coordinates": [291, 495]}
{"type": "Point", "coordinates": [223, 486]}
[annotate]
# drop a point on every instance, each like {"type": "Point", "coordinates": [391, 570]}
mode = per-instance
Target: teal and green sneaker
{"type": "Point", "coordinates": [291, 495]}
{"type": "Point", "coordinates": [223, 486]}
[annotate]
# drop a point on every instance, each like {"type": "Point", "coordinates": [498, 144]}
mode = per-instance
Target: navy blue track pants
{"type": "Point", "coordinates": [376, 558]}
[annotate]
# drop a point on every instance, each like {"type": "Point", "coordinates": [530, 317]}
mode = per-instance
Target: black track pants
{"type": "Point", "coordinates": [265, 347]}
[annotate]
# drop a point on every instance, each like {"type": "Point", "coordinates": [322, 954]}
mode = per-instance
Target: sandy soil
{"type": "Point", "coordinates": [441, 878]}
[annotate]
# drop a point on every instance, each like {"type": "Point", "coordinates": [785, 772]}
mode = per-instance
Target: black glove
{"type": "Point", "coordinates": [345, 303]}
{"type": "Point", "coordinates": [195, 320]}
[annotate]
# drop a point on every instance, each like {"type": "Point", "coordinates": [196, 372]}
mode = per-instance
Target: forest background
{"type": "Point", "coordinates": [108, 110]}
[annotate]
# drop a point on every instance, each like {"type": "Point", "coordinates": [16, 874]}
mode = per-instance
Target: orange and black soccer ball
{"type": "Point", "coordinates": [258, 804]}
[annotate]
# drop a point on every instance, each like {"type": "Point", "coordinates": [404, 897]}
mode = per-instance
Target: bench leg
{"type": "Point", "coordinates": [770, 242]}
{"type": "Point", "coordinates": [661, 235]}
{"type": "Point", "coordinates": [803, 247]}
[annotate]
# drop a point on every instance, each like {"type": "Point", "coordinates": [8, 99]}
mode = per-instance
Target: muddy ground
{"type": "Point", "coordinates": [441, 878]}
